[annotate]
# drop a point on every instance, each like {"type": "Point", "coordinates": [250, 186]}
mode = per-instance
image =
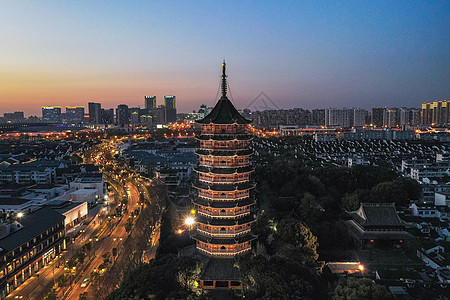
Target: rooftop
{"type": "Point", "coordinates": [377, 214]}
{"type": "Point", "coordinates": [34, 224]}
{"type": "Point", "coordinates": [220, 269]}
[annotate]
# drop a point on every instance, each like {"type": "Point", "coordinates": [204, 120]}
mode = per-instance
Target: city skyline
{"type": "Point", "coordinates": [313, 55]}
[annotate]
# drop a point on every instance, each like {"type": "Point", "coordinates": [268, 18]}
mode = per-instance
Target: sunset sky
{"type": "Point", "coordinates": [309, 54]}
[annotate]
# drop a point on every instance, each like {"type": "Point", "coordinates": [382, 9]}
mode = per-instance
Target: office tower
{"type": "Point", "coordinates": [377, 117]}
{"type": "Point", "coordinates": [150, 102]}
{"type": "Point", "coordinates": [170, 109]}
{"type": "Point", "coordinates": [159, 115]}
{"type": "Point", "coordinates": [135, 115]}
{"type": "Point", "coordinates": [122, 115]}
{"type": "Point", "coordinates": [15, 117]}
{"type": "Point", "coordinates": [318, 117]}
{"type": "Point", "coordinates": [224, 189]}
{"type": "Point", "coordinates": [107, 116]}
{"type": "Point", "coordinates": [74, 114]}
{"type": "Point", "coordinates": [51, 114]}
{"type": "Point", "coordinates": [95, 113]}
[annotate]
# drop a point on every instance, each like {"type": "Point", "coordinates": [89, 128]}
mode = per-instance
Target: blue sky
{"type": "Point", "coordinates": [300, 53]}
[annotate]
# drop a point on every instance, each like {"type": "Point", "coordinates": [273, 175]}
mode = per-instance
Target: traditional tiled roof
{"type": "Point", "coordinates": [224, 241]}
{"type": "Point", "coordinates": [224, 204]}
{"type": "Point", "coordinates": [220, 269]}
{"type": "Point", "coordinates": [225, 222]}
{"type": "Point", "coordinates": [378, 215]}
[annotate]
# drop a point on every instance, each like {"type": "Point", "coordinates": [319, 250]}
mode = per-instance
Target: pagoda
{"type": "Point", "coordinates": [224, 199]}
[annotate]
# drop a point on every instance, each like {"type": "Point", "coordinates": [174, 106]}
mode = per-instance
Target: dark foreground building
{"type": "Point", "coordinates": [224, 199]}
{"type": "Point", "coordinates": [27, 245]}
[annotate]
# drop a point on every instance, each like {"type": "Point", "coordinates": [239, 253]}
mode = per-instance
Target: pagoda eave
{"type": "Point", "coordinates": [231, 170]}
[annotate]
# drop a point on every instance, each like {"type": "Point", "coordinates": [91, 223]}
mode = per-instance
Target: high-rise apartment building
{"type": "Point", "coordinates": [359, 117]}
{"type": "Point", "coordinates": [390, 117]}
{"type": "Point", "coordinates": [95, 113]}
{"type": "Point", "coordinates": [170, 109]}
{"type": "Point", "coordinates": [377, 117]}
{"type": "Point", "coordinates": [318, 117]}
{"type": "Point", "coordinates": [122, 115]}
{"type": "Point", "coordinates": [107, 116]}
{"type": "Point", "coordinates": [51, 114]}
{"type": "Point", "coordinates": [74, 114]}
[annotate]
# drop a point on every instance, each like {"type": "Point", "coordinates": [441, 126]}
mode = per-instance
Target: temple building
{"type": "Point", "coordinates": [224, 199]}
{"type": "Point", "coordinates": [377, 225]}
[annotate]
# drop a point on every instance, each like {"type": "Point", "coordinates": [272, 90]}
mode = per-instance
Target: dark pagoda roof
{"type": "Point", "coordinates": [224, 187]}
{"type": "Point", "coordinates": [225, 221]}
{"type": "Point", "coordinates": [220, 269]}
{"type": "Point", "coordinates": [224, 112]}
{"type": "Point", "coordinates": [203, 169]}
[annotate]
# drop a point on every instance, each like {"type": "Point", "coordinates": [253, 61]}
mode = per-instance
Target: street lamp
{"type": "Point", "coordinates": [189, 221]}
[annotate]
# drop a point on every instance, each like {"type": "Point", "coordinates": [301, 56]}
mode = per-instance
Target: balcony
{"type": "Point", "coordinates": [212, 180]}
{"type": "Point", "coordinates": [217, 214]}
{"type": "Point", "coordinates": [225, 252]}
{"type": "Point", "coordinates": [219, 164]}
{"type": "Point", "coordinates": [223, 233]}
{"type": "Point", "coordinates": [223, 198]}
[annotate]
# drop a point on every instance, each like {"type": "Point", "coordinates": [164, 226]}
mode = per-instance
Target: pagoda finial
{"type": "Point", "coordinates": [224, 80]}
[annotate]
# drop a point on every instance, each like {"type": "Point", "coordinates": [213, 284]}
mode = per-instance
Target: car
{"type": "Point", "coordinates": [85, 282]}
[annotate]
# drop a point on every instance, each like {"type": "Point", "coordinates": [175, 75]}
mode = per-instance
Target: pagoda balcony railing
{"type": "Point", "coordinates": [226, 181]}
{"type": "Point", "coordinates": [216, 214]}
{"type": "Point", "coordinates": [225, 252]}
{"type": "Point", "coordinates": [223, 233]}
{"type": "Point", "coordinates": [223, 198]}
{"type": "Point", "coordinates": [223, 148]}
{"type": "Point", "coordinates": [224, 132]}
{"type": "Point", "coordinates": [216, 164]}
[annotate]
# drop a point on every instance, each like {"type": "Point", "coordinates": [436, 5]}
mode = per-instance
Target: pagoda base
{"type": "Point", "coordinates": [220, 273]}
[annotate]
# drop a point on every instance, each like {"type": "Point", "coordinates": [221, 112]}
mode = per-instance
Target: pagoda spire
{"type": "Point", "coordinates": [224, 80]}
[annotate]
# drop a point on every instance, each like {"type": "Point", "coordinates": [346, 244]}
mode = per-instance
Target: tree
{"type": "Point", "coordinates": [360, 289]}
{"type": "Point", "coordinates": [277, 278]}
{"type": "Point", "coordinates": [307, 204]}
{"type": "Point", "coordinates": [51, 295]}
{"type": "Point", "coordinates": [299, 244]}
{"type": "Point", "coordinates": [350, 202]}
